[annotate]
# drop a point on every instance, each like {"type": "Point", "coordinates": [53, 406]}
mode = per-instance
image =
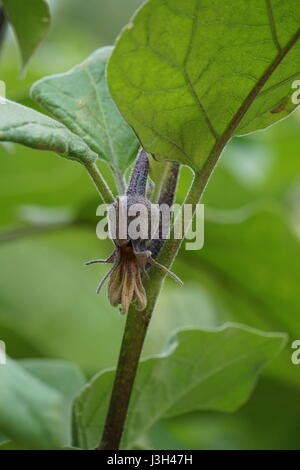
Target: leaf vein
{"type": "Point", "coordinates": [187, 78]}
{"type": "Point", "coordinates": [272, 24]}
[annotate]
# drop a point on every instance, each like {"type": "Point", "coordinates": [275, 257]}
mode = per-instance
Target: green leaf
{"type": "Point", "coordinates": [199, 370]}
{"type": "Point", "coordinates": [30, 21]}
{"type": "Point", "coordinates": [189, 75]}
{"type": "Point", "coordinates": [81, 100]}
{"type": "Point", "coordinates": [268, 421]}
{"type": "Point", "coordinates": [26, 126]}
{"type": "Point", "coordinates": [259, 291]}
{"type": "Point", "coordinates": [62, 376]}
{"type": "Point", "coordinates": [30, 411]}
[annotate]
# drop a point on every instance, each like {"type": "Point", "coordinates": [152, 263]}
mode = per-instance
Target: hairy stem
{"type": "Point", "coordinates": [101, 185]}
{"type": "Point", "coordinates": [130, 353]}
{"type": "Point", "coordinates": [137, 325]}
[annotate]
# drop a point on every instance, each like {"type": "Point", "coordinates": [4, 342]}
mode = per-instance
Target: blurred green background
{"type": "Point", "coordinates": [247, 272]}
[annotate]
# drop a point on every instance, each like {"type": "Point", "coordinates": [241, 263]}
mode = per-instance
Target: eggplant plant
{"type": "Point", "coordinates": [182, 80]}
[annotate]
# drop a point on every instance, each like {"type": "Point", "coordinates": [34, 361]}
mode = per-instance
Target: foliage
{"type": "Point", "coordinates": [30, 21]}
{"type": "Point", "coordinates": [246, 273]}
{"type": "Point", "coordinates": [80, 99]}
{"type": "Point", "coordinates": [209, 76]}
{"type": "Point", "coordinates": [199, 370]}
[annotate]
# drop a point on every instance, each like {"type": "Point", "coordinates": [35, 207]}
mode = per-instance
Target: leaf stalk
{"type": "Point", "coordinates": [101, 185]}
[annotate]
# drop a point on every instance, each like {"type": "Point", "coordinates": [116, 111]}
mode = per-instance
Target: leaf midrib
{"type": "Point", "coordinates": [101, 108]}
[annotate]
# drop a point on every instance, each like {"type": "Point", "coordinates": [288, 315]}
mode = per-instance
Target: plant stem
{"type": "Point", "coordinates": [137, 325]}
{"type": "Point", "coordinates": [130, 353]}
{"type": "Point", "coordinates": [172, 245]}
{"type": "Point", "coordinates": [101, 185]}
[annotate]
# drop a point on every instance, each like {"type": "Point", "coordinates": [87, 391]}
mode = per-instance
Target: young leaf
{"type": "Point", "coordinates": [30, 411]}
{"type": "Point", "coordinates": [30, 21]}
{"type": "Point", "coordinates": [200, 370]}
{"type": "Point", "coordinates": [26, 126]}
{"type": "Point", "coordinates": [189, 75]}
{"type": "Point", "coordinates": [81, 100]}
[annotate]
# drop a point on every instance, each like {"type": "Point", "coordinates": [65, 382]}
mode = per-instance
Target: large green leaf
{"type": "Point", "coordinates": [81, 100]}
{"type": "Point", "coordinates": [30, 411]}
{"type": "Point", "coordinates": [260, 291]}
{"type": "Point", "coordinates": [199, 370]}
{"type": "Point", "coordinates": [30, 21]}
{"type": "Point", "coordinates": [26, 126]}
{"type": "Point", "coordinates": [268, 421]}
{"type": "Point", "coordinates": [189, 75]}
{"type": "Point", "coordinates": [62, 376]}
